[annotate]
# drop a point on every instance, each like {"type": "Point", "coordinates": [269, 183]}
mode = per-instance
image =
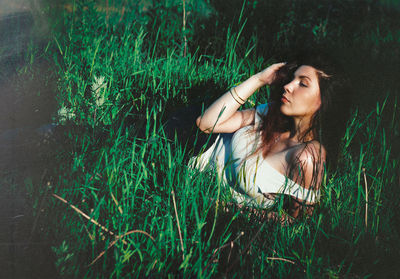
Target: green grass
{"type": "Point", "coordinates": [118, 79]}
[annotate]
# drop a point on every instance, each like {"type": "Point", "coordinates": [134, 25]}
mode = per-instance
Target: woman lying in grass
{"type": "Point", "coordinates": [274, 148]}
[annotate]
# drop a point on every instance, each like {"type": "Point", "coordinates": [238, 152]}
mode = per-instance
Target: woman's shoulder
{"type": "Point", "coordinates": [310, 157]}
{"type": "Point", "coordinates": [311, 154]}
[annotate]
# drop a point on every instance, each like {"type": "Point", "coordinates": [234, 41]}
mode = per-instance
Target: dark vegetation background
{"type": "Point", "coordinates": [112, 74]}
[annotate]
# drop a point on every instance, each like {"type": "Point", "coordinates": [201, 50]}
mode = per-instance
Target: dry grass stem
{"type": "Point", "coordinates": [118, 238]}
{"type": "Point", "coordinates": [366, 198]}
{"type": "Point", "coordinates": [230, 252]}
{"type": "Point", "coordinates": [89, 234]}
{"type": "Point", "coordinates": [247, 247]}
{"type": "Point", "coordinates": [85, 215]}
{"type": "Point", "coordinates": [177, 221]}
{"type": "Point", "coordinates": [116, 202]}
{"type": "Point", "coordinates": [107, 15]}
{"type": "Point", "coordinates": [230, 243]}
{"type": "Point", "coordinates": [184, 28]}
{"type": "Point", "coordinates": [122, 12]}
{"type": "Point", "coordinates": [280, 259]}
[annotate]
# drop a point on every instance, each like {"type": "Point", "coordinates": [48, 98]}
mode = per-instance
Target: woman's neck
{"type": "Point", "coordinates": [301, 132]}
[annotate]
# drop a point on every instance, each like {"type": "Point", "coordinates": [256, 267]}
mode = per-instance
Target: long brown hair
{"type": "Point", "coordinates": [323, 128]}
{"type": "Point", "coordinates": [275, 122]}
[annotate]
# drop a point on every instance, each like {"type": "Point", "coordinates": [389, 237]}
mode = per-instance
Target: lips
{"type": "Point", "coordinates": [284, 100]}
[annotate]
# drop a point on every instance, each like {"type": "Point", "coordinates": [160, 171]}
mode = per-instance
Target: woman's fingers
{"type": "Point", "coordinates": [277, 66]}
{"type": "Point", "coordinates": [280, 64]}
{"type": "Point", "coordinates": [267, 76]}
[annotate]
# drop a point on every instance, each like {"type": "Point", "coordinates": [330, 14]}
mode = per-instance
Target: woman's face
{"type": "Point", "coordinates": [302, 96]}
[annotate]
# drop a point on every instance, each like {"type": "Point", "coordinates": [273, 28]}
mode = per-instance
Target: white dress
{"type": "Point", "coordinates": [250, 179]}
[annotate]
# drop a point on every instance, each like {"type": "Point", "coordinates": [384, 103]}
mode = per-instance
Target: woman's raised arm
{"type": "Point", "coordinates": [223, 115]}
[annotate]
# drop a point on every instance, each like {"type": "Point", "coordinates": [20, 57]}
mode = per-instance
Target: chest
{"type": "Point", "coordinates": [281, 156]}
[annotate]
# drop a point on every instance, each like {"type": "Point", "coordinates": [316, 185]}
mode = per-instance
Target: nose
{"type": "Point", "coordinates": [288, 87]}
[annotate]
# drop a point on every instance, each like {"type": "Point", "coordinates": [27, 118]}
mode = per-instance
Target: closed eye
{"type": "Point", "coordinates": [303, 84]}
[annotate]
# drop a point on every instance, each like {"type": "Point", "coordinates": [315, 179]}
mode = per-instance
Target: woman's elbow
{"type": "Point", "coordinates": [200, 126]}
{"type": "Point", "coordinates": [198, 120]}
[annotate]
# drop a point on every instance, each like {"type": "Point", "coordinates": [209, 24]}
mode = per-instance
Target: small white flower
{"type": "Point", "coordinates": [65, 114]}
{"type": "Point", "coordinates": [98, 89]}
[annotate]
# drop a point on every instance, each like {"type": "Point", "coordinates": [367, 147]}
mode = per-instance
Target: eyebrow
{"type": "Point", "coordinates": [305, 77]}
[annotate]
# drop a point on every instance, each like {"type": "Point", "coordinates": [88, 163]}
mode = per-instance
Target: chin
{"type": "Point", "coordinates": [284, 110]}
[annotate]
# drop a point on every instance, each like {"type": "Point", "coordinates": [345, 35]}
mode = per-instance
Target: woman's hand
{"type": "Point", "coordinates": [268, 75]}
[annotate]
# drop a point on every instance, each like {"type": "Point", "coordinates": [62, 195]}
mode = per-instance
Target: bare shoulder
{"type": "Point", "coordinates": [311, 152]}
{"type": "Point", "coordinates": [310, 157]}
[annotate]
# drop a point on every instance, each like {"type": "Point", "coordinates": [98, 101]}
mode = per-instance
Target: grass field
{"type": "Point", "coordinates": [122, 69]}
